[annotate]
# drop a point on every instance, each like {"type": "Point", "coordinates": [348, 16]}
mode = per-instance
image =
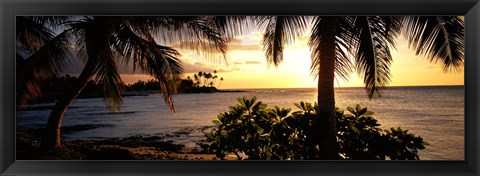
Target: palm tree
{"type": "Point", "coordinates": [106, 41]}
{"type": "Point", "coordinates": [208, 76]}
{"type": "Point", "coordinates": [200, 75]}
{"type": "Point", "coordinates": [197, 80]}
{"type": "Point", "coordinates": [213, 80]}
{"type": "Point", "coordinates": [366, 39]}
{"type": "Point", "coordinates": [204, 78]}
{"type": "Point", "coordinates": [221, 79]}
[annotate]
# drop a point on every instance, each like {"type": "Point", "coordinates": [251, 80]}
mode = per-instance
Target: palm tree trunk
{"type": "Point", "coordinates": [327, 139]}
{"type": "Point", "coordinates": [96, 40]}
{"type": "Point", "coordinates": [51, 136]}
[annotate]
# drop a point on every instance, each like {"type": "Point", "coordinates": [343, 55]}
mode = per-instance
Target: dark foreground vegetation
{"type": "Point", "coordinates": [252, 131]}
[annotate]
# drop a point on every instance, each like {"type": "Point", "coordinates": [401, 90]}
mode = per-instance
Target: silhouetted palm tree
{"type": "Point", "coordinates": [214, 77]}
{"type": "Point", "coordinates": [200, 75]}
{"type": "Point", "coordinates": [106, 41]}
{"type": "Point", "coordinates": [213, 80]}
{"type": "Point", "coordinates": [208, 76]}
{"type": "Point", "coordinates": [221, 79]}
{"type": "Point", "coordinates": [197, 80]}
{"type": "Point", "coordinates": [335, 39]}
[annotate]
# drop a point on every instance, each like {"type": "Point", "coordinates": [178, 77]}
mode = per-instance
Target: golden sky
{"type": "Point", "coordinates": [246, 67]}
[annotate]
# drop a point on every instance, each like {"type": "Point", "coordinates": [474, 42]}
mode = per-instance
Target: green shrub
{"type": "Point", "coordinates": [252, 131]}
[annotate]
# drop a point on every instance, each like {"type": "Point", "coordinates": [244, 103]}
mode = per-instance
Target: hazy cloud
{"type": "Point", "coordinates": [236, 44]}
{"type": "Point", "coordinates": [244, 47]}
{"type": "Point", "coordinates": [202, 67]}
{"type": "Point", "coordinates": [253, 62]}
{"type": "Point", "coordinates": [233, 44]}
{"type": "Point", "coordinates": [196, 67]}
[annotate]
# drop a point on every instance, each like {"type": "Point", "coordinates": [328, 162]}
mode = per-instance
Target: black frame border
{"type": "Point", "coordinates": [11, 8]}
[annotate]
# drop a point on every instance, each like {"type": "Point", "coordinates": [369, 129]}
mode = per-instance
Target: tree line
{"type": "Point", "coordinates": [54, 88]}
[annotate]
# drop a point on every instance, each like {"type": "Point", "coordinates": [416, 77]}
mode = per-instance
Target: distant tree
{"type": "Point", "coordinates": [221, 79]}
{"type": "Point", "coordinates": [207, 76]}
{"type": "Point", "coordinates": [200, 75]}
{"type": "Point", "coordinates": [186, 84]}
{"type": "Point", "coordinates": [196, 79]}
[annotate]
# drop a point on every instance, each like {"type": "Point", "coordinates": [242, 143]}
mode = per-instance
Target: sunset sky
{"type": "Point", "coordinates": [246, 67]}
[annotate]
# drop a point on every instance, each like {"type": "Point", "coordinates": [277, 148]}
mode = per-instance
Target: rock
{"type": "Point", "coordinates": [111, 154]}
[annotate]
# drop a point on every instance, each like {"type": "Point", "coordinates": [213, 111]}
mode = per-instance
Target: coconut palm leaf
{"type": "Point", "coordinates": [231, 26]}
{"type": "Point", "coordinates": [188, 32]}
{"type": "Point", "coordinates": [136, 49]}
{"type": "Point", "coordinates": [31, 34]}
{"type": "Point", "coordinates": [205, 33]}
{"type": "Point", "coordinates": [107, 74]}
{"type": "Point", "coordinates": [159, 61]}
{"type": "Point", "coordinates": [279, 32]}
{"type": "Point", "coordinates": [372, 54]}
{"type": "Point", "coordinates": [53, 22]}
{"type": "Point", "coordinates": [167, 68]}
{"type": "Point", "coordinates": [439, 38]}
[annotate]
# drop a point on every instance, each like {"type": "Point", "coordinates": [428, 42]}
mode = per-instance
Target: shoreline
{"type": "Point", "coordinates": [127, 93]}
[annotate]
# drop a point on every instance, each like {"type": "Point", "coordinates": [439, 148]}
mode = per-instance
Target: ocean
{"type": "Point", "coordinates": [435, 113]}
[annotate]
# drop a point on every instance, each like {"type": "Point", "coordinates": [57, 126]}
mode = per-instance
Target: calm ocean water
{"type": "Point", "coordinates": [435, 113]}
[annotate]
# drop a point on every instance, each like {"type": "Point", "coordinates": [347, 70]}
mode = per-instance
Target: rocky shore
{"type": "Point", "coordinates": [128, 148]}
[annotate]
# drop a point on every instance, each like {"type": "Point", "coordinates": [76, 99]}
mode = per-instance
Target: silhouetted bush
{"type": "Point", "coordinates": [252, 131]}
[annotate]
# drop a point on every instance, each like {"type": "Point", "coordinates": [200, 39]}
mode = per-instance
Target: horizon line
{"type": "Point", "coordinates": [448, 85]}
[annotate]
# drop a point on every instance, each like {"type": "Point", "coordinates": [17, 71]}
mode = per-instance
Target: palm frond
{"type": "Point", "coordinates": [193, 30]}
{"type": "Point", "coordinates": [107, 75]}
{"type": "Point", "coordinates": [279, 32]}
{"type": "Point", "coordinates": [438, 38]}
{"type": "Point", "coordinates": [393, 28]}
{"type": "Point", "coordinates": [372, 55]}
{"type": "Point", "coordinates": [166, 67]}
{"type": "Point", "coordinates": [231, 26]}
{"type": "Point", "coordinates": [53, 22]}
{"type": "Point", "coordinates": [31, 34]}
{"type": "Point", "coordinates": [78, 34]}
{"type": "Point", "coordinates": [159, 61]}
{"type": "Point", "coordinates": [139, 26]}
